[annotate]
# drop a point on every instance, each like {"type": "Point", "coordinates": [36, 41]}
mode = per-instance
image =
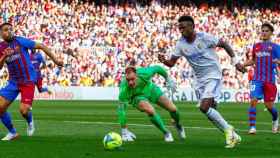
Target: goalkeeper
{"type": "Point", "coordinates": [138, 90]}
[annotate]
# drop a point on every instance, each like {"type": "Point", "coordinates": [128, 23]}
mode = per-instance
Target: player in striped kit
{"type": "Point", "coordinates": [265, 57]}
{"type": "Point", "coordinates": [22, 76]}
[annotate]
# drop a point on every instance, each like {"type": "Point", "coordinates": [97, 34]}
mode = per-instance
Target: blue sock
{"type": "Point", "coordinates": [29, 117]}
{"type": "Point", "coordinates": [274, 113]}
{"type": "Point", "coordinates": [7, 121]}
{"type": "Point", "coordinates": [252, 112]}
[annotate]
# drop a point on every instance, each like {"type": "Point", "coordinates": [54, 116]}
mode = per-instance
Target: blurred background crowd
{"type": "Point", "coordinates": [97, 39]}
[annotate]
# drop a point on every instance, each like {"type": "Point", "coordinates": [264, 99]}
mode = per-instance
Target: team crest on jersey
{"type": "Point", "coordinates": [258, 47]}
{"type": "Point", "coordinates": [269, 48]}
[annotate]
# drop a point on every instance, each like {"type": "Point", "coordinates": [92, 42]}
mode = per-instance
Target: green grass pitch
{"type": "Point", "coordinates": [75, 129]}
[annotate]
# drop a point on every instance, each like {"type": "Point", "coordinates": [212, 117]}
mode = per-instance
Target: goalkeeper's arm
{"type": "Point", "coordinates": [171, 85]}
{"type": "Point", "coordinates": [126, 134]}
{"type": "Point", "coordinates": [159, 70]}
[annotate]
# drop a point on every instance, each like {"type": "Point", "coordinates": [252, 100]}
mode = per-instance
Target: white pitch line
{"type": "Point", "coordinates": [145, 125]}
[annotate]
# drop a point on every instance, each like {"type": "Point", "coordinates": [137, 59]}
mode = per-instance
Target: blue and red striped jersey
{"type": "Point", "coordinates": [37, 59]}
{"type": "Point", "coordinates": [19, 64]}
{"type": "Point", "coordinates": [264, 53]}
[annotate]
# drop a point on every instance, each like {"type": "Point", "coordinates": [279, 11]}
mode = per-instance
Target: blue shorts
{"type": "Point", "coordinates": [12, 89]}
{"type": "Point", "coordinates": [263, 90]}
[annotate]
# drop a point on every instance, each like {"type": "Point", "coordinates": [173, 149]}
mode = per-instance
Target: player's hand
{"type": "Point", "coordinates": [240, 68]}
{"type": "Point", "coordinates": [161, 58]}
{"type": "Point", "coordinates": [171, 85]}
{"type": "Point", "coordinates": [8, 51]}
{"type": "Point", "coordinates": [127, 135]}
{"type": "Point", "coordinates": [59, 63]}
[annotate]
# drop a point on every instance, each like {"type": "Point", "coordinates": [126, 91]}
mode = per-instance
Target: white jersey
{"type": "Point", "coordinates": [201, 56]}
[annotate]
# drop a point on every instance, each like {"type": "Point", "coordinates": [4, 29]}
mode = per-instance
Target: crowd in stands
{"type": "Point", "coordinates": [105, 39]}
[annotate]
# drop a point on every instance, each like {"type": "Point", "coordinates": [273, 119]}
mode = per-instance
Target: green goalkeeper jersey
{"type": "Point", "coordinates": [145, 88]}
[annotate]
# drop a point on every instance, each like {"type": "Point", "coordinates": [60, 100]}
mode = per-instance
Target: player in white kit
{"type": "Point", "coordinates": [199, 50]}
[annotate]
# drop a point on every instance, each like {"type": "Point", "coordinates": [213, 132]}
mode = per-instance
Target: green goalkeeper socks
{"type": "Point", "coordinates": [176, 117]}
{"type": "Point", "coordinates": [157, 121]}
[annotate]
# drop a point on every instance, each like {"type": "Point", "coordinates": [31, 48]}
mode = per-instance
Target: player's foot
{"type": "Point", "coordinates": [232, 138]}
{"type": "Point", "coordinates": [275, 126]}
{"type": "Point", "coordinates": [30, 129]}
{"type": "Point", "coordinates": [252, 130]}
{"type": "Point", "coordinates": [168, 137]}
{"type": "Point", "coordinates": [181, 131]}
{"type": "Point", "coordinates": [10, 136]}
{"type": "Point", "coordinates": [237, 137]}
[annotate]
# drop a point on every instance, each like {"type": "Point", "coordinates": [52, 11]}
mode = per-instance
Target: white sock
{"type": "Point", "coordinates": [217, 119]}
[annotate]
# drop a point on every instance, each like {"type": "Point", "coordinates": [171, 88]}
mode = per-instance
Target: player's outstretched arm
{"type": "Point", "coordinates": [159, 70]}
{"type": "Point", "coordinates": [126, 134]}
{"type": "Point", "coordinates": [49, 53]}
{"type": "Point", "coordinates": [171, 85]}
{"type": "Point", "coordinates": [168, 62]}
{"type": "Point", "coordinates": [230, 52]}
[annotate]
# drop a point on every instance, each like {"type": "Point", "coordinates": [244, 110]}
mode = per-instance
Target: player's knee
{"type": "Point", "coordinates": [204, 109]}
{"type": "Point", "coordinates": [145, 107]}
{"type": "Point", "coordinates": [269, 105]}
{"type": "Point", "coordinates": [4, 104]}
{"type": "Point", "coordinates": [24, 109]}
{"type": "Point", "coordinates": [205, 104]}
{"type": "Point", "coordinates": [254, 102]}
{"type": "Point", "coordinates": [150, 111]}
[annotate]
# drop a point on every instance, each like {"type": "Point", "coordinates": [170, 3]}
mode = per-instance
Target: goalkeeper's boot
{"type": "Point", "coordinates": [168, 137]}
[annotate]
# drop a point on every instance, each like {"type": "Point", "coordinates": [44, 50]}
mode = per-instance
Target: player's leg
{"type": "Point", "coordinates": [157, 97]}
{"type": "Point", "coordinates": [145, 106]}
{"type": "Point", "coordinates": [7, 95]}
{"type": "Point", "coordinates": [270, 91]}
{"type": "Point", "coordinates": [27, 95]}
{"type": "Point", "coordinates": [41, 89]}
{"type": "Point", "coordinates": [167, 104]}
{"type": "Point", "coordinates": [208, 92]}
{"type": "Point", "coordinates": [256, 93]}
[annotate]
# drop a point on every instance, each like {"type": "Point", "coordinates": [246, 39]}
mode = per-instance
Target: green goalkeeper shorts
{"type": "Point", "coordinates": [151, 94]}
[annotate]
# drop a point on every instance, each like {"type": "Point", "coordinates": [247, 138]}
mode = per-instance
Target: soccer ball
{"type": "Point", "coordinates": [112, 141]}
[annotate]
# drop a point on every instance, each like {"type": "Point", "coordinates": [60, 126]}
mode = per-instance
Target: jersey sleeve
{"type": "Point", "coordinates": [276, 52]}
{"type": "Point", "coordinates": [27, 43]}
{"type": "Point", "coordinates": [211, 40]}
{"type": "Point", "coordinates": [157, 70]}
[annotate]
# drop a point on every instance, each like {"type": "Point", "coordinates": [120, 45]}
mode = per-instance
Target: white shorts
{"type": "Point", "coordinates": [210, 88]}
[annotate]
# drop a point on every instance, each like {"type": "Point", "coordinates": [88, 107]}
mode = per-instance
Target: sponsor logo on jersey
{"type": "Point", "coordinates": [263, 54]}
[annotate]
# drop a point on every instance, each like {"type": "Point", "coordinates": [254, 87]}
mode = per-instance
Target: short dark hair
{"type": "Point", "coordinates": [186, 18]}
{"type": "Point", "coordinates": [4, 24]}
{"type": "Point", "coordinates": [268, 25]}
{"type": "Point", "coordinates": [130, 69]}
